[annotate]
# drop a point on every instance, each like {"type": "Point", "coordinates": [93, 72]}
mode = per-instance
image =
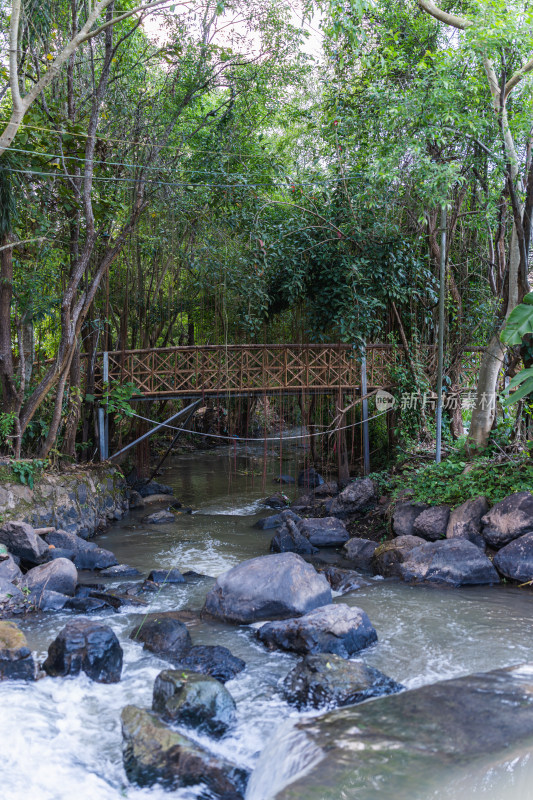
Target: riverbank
{"type": "Point", "coordinates": [69, 730]}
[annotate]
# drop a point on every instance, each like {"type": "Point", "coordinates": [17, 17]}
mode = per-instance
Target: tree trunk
{"type": "Point", "coordinates": [10, 397]}
{"type": "Point", "coordinates": [484, 410]}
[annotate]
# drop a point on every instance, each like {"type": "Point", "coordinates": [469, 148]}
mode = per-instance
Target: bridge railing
{"type": "Point", "coordinates": [257, 368]}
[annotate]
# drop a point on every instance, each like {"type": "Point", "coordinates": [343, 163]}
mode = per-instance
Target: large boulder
{"type": "Point", "coordinates": [16, 660]}
{"type": "Point", "coordinates": [22, 541]}
{"type": "Point", "coordinates": [310, 478]}
{"type": "Point", "coordinates": [432, 523]}
{"type": "Point", "coordinates": [339, 629]}
{"type": "Point", "coordinates": [172, 575]}
{"type": "Point", "coordinates": [163, 635]}
{"type": "Point", "coordinates": [325, 680]}
{"type": "Point", "coordinates": [85, 646]}
{"type": "Point", "coordinates": [404, 516]}
{"type": "Point", "coordinates": [278, 500]}
{"type": "Point", "coordinates": [360, 552]}
{"type": "Point", "coordinates": [288, 539]}
{"type": "Point", "coordinates": [354, 499]}
{"type": "Point", "coordinates": [9, 569]}
{"type": "Point", "coordinates": [456, 562]}
{"type": "Point", "coordinates": [59, 575]}
{"type": "Point", "coordinates": [324, 531]}
{"type": "Point", "coordinates": [509, 519]}
{"type": "Point", "coordinates": [465, 521]}
{"type": "Point", "coordinates": [276, 520]}
{"type": "Point", "coordinates": [389, 556]}
{"type": "Point", "coordinates": [154, 753]}
{"type": "Point", "coordinates": [444, 739]}
{"type": "Point", "coordinates": [515, 560]}
{"type": "Point", "coordinates": [194, 700]}
{"type": "Point", "coordinates": [87, 555]}
{"type": "Point", "coordinates": [269, 587]}
{"type": "Point", "coordinates": [213, 660]}
{"type": "Point", "coordinates": [149, 489]}
{"type": "Point", "coordinates": [343, 580]}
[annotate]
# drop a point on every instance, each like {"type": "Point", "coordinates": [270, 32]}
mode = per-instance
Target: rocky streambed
{"type": "Point", "coordinates": [272, 647]}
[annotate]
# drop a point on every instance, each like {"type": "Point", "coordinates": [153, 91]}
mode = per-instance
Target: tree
{"type": "Point", "coordinates": [494, 31]}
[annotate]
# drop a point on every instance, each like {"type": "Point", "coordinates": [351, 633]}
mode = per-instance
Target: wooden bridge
{"type": "Point", "coordinates": [218, 370]}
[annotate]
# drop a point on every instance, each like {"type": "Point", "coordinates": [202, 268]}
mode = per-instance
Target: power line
{"type": "Point", "coordinates": [133, 142]}
{"type": "Point", "coordinates": [259, 438]}
{"type": "Point", "coordinates": [187, 184]}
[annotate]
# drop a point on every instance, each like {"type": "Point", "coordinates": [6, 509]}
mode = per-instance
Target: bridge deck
{"type": "Point", "coordinates": [212, 370]}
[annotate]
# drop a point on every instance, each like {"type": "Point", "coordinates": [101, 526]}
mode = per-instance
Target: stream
{"type": "Point", "coordinates": [61, 738]}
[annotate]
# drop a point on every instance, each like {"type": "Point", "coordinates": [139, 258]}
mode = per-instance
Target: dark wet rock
{"type": "Point", "coordinates": [339, 629]}
{"type": "Point", "coordinates": [515, 560]}
{"type": "Point", "coordinates": [455, 562]}
{"type": "Point", "coordinates": [172, 575]}
{"type": "Point", "coordinates": [163, 635]}
{"type": "Point", "coordinates": [47, 600]}
{"type": "Point", "coordinates": [95, 559]}
{"type": "Point", "coordinates": [287, 479]}
{"type": "Point", "coordinates": [85, 646]}
{"type": "Point", "coordinates": [274, 521]}
{"type": "Point", "coordinates": [213, 660]}
{"type": "Point", "coordinates": [59, 575]}
{"type": "Point", "coordinates": [86, 605]}
{"type": "Point", "coordinates": [324, 532]}
{"type": "Point", "coordinates": [310, 479]}
{"type": "Point", "coordinates": [120, 571]}
{"type": "Point", "coordinates": [16, 660]}
{"type": "Point", "coordinates": [146, 587]}
{"type": "Point", "coordinates": [154, 753]}
{"type": "Point", "coordinates": [357, 497]}
{"type": "Point", "coordinates": [288, 539]}
{"type": "Point", "coordinates": [116, 599]}
{"type": "Point", "coordinates": [148, 489]}
{"type": "Point", "coordinates": [269, 587]}
{"type": "Point", "coordinates": [404, 516]}
{"type": "Point", "coordinates": [194, 700]}
{"type": "Point", "coordinates": [135, 499]}
{"type": "Point", "coordinates": [87, 555]}
{"type": "Point", "coordinates": [440, 732]}
{"type": "Point", "coordinates": [343, 580]}
{"type": "Point", "coordinates": [8, 591]}
{"type": "Point", "coordinates": [509, 519]}
{"type": "Point", "coordinates": [327, 489]}
{"type": "Point", "coordinates": [194, 577]}
{"type": "Point", "coordinates": [22, 541]}
{"type": "Point", "coordinates": [176, 505]}
{"type": "Point", "coordinates": [277, 500]}
{"type": "Point", "coordinates": [9, 569]}
{"type": "Point", "coordinates": [85, 589]}
{"type": "Point", "coordinates": [432, 523]}
{"type": "Point", "coordinates": [389, 556]}
{"type": "Point", "coordinates": [465, 521]}
{"type": "Point", "coordinates": [360, 553]}
{"type": "Point", "coordinates": [303, 504]}
{"type": "Point", "coordinates": [326, 680]}
{"type": "Point", "coordinates": [159, 518]}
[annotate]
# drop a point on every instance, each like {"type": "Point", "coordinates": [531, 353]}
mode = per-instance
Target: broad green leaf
{"type": "Point", "coordinates": [520, 322]}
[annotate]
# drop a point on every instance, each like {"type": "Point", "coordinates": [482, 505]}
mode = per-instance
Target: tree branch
{"type": "Point", "coordinates": [449, 19]}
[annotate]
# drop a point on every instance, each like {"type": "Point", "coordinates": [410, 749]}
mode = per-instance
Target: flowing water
{"type": "Point", "coordinates": [60, 738]}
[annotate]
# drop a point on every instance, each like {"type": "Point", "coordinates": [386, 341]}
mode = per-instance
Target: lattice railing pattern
{"type": "Point", "coordinates": [219, 369]}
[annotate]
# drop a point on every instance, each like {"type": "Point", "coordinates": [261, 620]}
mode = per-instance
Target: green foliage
{"type": "Point", "coordinates": [519, 322]}
{"type": "Point", "coordinates": [117, 396]}
{"type": "Point", "coordinates": [7, 425]}
{"type": "Point", "coordinates": [454, 481]}
{"type": "Point", "coordinates": [26, 471]}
